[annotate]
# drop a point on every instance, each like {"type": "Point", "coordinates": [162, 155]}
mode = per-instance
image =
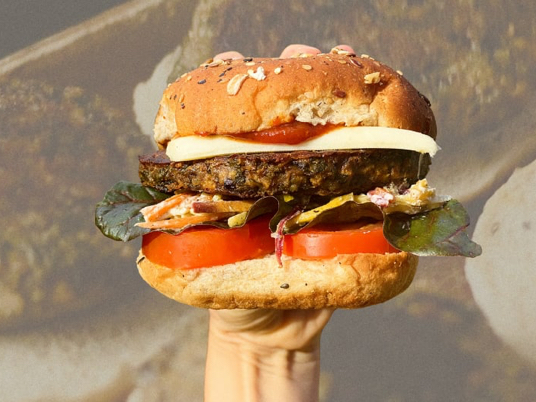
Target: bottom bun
{"type": "Point", "coordinates": [346, 281]}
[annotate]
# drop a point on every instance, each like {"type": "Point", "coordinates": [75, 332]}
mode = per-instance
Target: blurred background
{"type": "Point", "coordinates": [79, 85]}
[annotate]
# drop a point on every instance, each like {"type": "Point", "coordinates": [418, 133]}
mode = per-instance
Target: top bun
{"type": "Point", "coordinates": [252, 94]}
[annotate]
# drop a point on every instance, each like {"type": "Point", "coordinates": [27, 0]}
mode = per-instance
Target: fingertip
{"type": "Point", "coordinates": [297, 49]}
{"type": "Point", "coordinates": [229, 55]}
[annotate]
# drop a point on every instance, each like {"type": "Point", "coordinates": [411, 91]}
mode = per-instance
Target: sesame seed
{"type": "Point", "coordinates": [339, 93]}
{"type": "Point", "coordinates": [202, 81]}
{"type": "Point", "coordinates": [285, 286]}
{"type": "Point", "coordinates": [250, 63]}
{"type": "Point", "coordinates": [307, 67]}
{"type": "Point", "coordinates": [188, 78]}
{"type": "Point", "coordinates": [278, 70]}
{"type": "Point", "coordinates": [225, 71]}
{"type": "Point", "coordinates": [356, 62]}
{"type": "Point", "coordinates": [399, 72]}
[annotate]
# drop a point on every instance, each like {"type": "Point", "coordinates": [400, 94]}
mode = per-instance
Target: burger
{"type": "Point", "coordinates": [287, 183]}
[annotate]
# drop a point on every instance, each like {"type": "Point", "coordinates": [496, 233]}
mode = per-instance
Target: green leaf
{"type": "Point", "coordinates": [438, 232]}
{"type": "Point", "coordinates": [285, 208]}
{"type": "Point", "coordinates": [117, 214]}
{"type": "Point", "coordinates": [346, 211]}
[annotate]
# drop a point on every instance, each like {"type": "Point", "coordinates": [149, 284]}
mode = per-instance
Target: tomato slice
{"type": "Point", "coordinates": [205, 246]}
{"type": "Point", "coordinates": [327, 241]}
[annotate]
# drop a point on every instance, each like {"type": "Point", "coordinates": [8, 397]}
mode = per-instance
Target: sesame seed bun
{"type": "Point", "coordinates": [238, 96]}
{"type": "Point", "coordinates": [345, 281]}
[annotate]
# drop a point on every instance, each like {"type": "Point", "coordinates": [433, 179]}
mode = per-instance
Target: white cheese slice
{"type": "Point", "coordinates": [365, 137]}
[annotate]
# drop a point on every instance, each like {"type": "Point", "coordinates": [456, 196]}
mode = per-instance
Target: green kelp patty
{"type": "Point", "coordinates": [325, 173]}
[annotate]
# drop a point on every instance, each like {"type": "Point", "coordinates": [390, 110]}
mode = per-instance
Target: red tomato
{"type": "Point", "coordinates": [328, 241]}
{"type": "Point", "coordinates": [209, 246]}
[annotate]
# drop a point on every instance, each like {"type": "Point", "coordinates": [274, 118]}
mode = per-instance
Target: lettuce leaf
{"type": "Point", "coordinates": [119, 211]}
{"type": "Point", "coordinates": [117, 214]}
{"type": "Point", "coordinates": [438, 232]}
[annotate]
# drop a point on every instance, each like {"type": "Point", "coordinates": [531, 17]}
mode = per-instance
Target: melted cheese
{"type": "Point", "coordinates": [196, 147]}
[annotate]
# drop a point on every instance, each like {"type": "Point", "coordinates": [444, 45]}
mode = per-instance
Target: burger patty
{"type": "Point", "coordinates": [324, 173]}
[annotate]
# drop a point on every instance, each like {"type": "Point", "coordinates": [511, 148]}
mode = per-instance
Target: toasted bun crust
{"type": "Point", "coordinates": [346, 281]}
{"type": "Point", "coordinates": [235, 96]}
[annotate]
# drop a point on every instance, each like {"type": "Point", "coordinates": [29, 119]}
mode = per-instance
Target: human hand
{"type": "Point", "coordinates": [264, 355]}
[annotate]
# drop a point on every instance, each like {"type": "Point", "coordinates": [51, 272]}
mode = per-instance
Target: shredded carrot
{"type": "Point", "coordinates": [179, 223]}
{"type": "Point", "coordinates": [154, 212]}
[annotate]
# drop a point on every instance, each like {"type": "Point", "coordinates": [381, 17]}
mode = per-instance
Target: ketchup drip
{"type": "Point", "coordinates": [288, 133]}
